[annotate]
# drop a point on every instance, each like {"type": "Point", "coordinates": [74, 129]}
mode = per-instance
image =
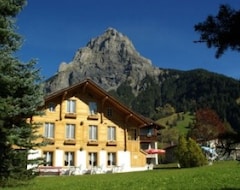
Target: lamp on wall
{"type": "Point", "coordinates": [81, 123]}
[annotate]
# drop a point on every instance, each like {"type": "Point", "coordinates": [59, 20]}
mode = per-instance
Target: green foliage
{"type": "Point", "coordinates": [149, 97]}
{"type": "Point", "coordinates": [221, 31]}
{"type": "Point", "coordinates": [221, 175]}
{"type": "Point", "coordinates": [20, 96]}
{"type": "Point", "coordinates": [197, 89]}
{"type": "Point", "coordinates": [124, 93]}
{"type": "Point", "coordinates": [189, 153]}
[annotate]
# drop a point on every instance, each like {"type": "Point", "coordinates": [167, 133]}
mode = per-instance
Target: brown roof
{"type": "Point", "coordinates": [90, 85]}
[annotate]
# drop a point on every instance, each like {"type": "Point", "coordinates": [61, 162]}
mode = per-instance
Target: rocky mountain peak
{"type": "Point", "coordinates": [109, 59]}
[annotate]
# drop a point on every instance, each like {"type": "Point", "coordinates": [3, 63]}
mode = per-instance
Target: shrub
{"type": "Point", "coordinates": [189, 154]}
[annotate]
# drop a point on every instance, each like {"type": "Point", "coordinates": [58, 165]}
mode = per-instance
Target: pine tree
{"type": "Point", "coordinates": [21, 95]}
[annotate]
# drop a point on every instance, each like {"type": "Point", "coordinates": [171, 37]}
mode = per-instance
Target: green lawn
{"type": "Point", "coordinates": [224, 175]}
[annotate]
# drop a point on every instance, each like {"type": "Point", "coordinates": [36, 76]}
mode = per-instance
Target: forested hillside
{"type": "Point", "coordinates": [185, 91]}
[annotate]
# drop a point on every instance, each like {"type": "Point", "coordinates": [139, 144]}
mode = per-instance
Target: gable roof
{"type": "Point", "coordinates": [102, 94]}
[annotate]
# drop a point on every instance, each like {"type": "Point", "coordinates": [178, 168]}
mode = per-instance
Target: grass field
{"type": "Point", "coordinates": [181, 124]}
{"type": "Point", "coordinates": [222, 175]}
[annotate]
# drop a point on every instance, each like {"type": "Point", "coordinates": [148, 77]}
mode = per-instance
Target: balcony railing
{"type": "Point", "coordinates": [148, 138]}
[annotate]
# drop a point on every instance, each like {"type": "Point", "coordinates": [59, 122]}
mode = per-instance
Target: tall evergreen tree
{"type": "Point", "coordinates": [20, 96]}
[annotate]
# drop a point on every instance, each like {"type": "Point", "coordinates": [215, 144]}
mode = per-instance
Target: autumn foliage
{"type": "Point", "coordinates": [208, 125]}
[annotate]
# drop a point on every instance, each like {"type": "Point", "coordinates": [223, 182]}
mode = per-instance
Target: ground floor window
{"type": "Point", "coordinates": [48, 156]}
{"type": "Point", "coordinates": [92, 157]}
{"type": "Point", "coordinates": [69, 159]}
{"type": "Point", "coordinates": [111, 159]}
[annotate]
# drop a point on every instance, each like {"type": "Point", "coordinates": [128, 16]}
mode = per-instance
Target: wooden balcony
{"type": "Point", "coordinates": [148, 138]}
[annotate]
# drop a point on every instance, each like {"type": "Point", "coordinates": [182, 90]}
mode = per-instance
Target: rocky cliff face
{"type": "Point", "coordinates": [109, 60]}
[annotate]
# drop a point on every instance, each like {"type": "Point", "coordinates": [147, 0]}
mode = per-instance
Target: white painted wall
{"type": "Point", "coordinates": [81, 159]}
{"type": "Point", "coordinates": [124, 160]}
{"type": "Point", "coordinates": [59, 158]}
{"type": "Point", "coordinates": [33, 154]}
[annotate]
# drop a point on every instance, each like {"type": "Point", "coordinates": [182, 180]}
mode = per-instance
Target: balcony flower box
{"type": "Point", "coordinates": [49, 141]}
{"type": "Point", "coordinates": [93, 117]}
{"type": "Point", "coordinates": [111, 143]}
{"type": "Point", "coordinates": [71, 115]}
{"type": "Point", "coordinates": [70, 142]}
{"type": "Point", "coordinates": [93, 143]}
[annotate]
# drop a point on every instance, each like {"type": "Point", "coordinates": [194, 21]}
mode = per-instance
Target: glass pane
{"type": "Point", "coordinates": [93, 108]}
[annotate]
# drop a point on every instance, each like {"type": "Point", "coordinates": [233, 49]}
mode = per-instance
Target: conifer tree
{"type": "Point", "coordinates": [189, 153]}
{"type": "Point", "coordinates": [20, 97]}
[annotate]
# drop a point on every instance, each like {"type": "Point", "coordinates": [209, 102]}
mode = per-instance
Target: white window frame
{"type": "Point", "coordinates": [92, 157]}
{"type": "Point", "coordinates": [71, 106]}
{"type": "Point", "coordinates": [49, 130]}
{"type": "Point", "coordinates": [93, 132]}
{"type": "Point", "coordinates": [70, 131]}
{"type": "Point", "coordinates": [111, 133]}
{"type": "Point", "coordinates": [112, 158]}
{"type": "Point", "coordinates": [48, 156]}
{"type": "Point", "coordinates": [69, 159]}
{"type": "Point", "coordinates": [92, 108]}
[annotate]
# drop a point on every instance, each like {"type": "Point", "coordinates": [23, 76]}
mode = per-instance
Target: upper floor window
{"type": "Point", "coordinates": [93, 108]}
{"type": "Point", "coordinates": [71, 106]}
{"type": "Point", "coordinates": [69, 159]}
{"type": "Point", "coordinates": [70, 131]}
{"type": "Point", "coordinates": [52, 107]}
{"type": "Point", "coordinates": [109, 112]}
{"type": "Point", "coordinates": [111, 133]}
{"type": "Point", "coordinates": [48, 156]}
{"type": "Point", "coordinates": [93, 136]}
{"type": "Point", "coordinates": [132, 134]}
{"type": "Point", "coordinates": [49, 130]}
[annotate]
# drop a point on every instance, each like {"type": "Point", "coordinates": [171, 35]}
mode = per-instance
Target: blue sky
{"type": "Point", "coordinates": [161, 30]}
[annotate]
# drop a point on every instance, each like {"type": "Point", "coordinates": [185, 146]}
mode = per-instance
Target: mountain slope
{"type": "Point", "coordinates": [114, 64]}
{"type": "Point", "coordinates": [109, 59]}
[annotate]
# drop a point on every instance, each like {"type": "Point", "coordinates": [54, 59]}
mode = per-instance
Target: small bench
{"type": "Point", "coordinates": [49, 170]}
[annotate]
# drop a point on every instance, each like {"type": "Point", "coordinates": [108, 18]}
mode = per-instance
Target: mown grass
{"type": "Point", "coordinates": [224, 175]}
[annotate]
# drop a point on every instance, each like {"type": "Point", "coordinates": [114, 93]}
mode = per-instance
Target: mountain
{"type": "Point", "coordinates": [113, 63]}
{"type": "Point", "coordinates": [109, 59]}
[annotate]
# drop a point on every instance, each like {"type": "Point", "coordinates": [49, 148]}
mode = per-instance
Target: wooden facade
{"type": "Point", "coordinates": [84, 126]}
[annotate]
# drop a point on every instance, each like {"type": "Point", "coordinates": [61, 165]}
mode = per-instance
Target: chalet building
{"type": "Point", "coordinates": [85, 127]}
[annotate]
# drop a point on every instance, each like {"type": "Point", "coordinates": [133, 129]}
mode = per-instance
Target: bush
{"type": "Point", "coordinates": [189, 154]}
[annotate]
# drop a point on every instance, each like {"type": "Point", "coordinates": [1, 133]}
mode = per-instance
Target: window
{"type": "Point", "coordinates": [111, 133]}
{"type": "Point", "coordinates": [49, 130]}
{"type": "Point", "coordinates": [132, 134]}
{"type": "Point", "coordinates": [111, 159]}
{"type": "Point", "coordinates": [48, 156]}
{"type": "Point", "coordinates": [52, 107]}
{"type": "Point", "coordinates": [71, 106]}
{"type": "Point", "coordinates": [109, 112]}
{"type": "Point", "coordinates": [70, 131]}
{"type": "Point", "coordinates": [92, 156]}
{"type": "Point", "coordinates": [93, 108]}
{"type": "Point", "coordinates": [93, 133]}
{"type": "Point", "coordinates": [69, 159]}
